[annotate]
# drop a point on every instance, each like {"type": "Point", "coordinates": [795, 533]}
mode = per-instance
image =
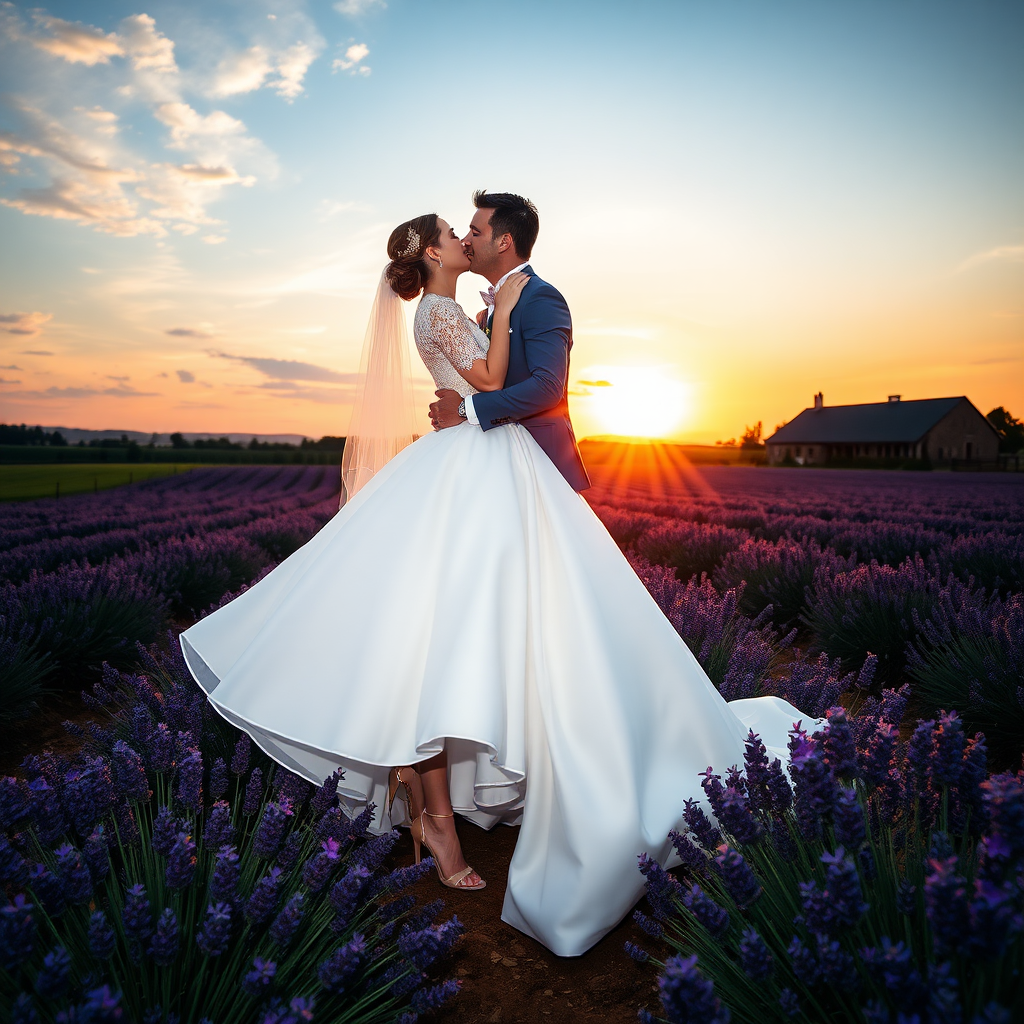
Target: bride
{"type": "Point", "coordinates": [466, 612]}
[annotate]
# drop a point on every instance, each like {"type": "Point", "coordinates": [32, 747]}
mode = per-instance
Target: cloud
{"type": "Point", "coordinates": [29, 324]}
{"type": "Point", "coordinates": [352, 61]}
{"type": "Point", "coordinates": [242, 72]}
{"type": "Point", "coordinates": [289, 369]}
{"type": "Point", "coordinates": [354, 8]}
{"type": "Point", "coordinates": [292, 66]}
{"type": "Point", "coordinates": [148, 48]}
{"type": "Point", "coordinates": [185, 376]}
{"type": "Point", "coordinates": [187, 332]}
{"type": "Point", "coordinates": [214, 239]}
{"type": "Point", "coordinates": [595, 383]}
{"type": "Point", "coordinates": [35, 352]}
{"type": "Point", "coordinates": [4, 380]}
{"type": "Point", "coordinates": [106, 120]}
{"type": "Point", "coordinates": [187, 124]}
{"type": "Point", "coordinates": [1000, 254]}
{"type": "Point", "coordinates": [75, 42]}
{"type": "Point", "coordinates": [72, 392]}
{"type": "Point", "coordinates": [329, 208]}
{"type": "Point", "coordinates": [11, 367]}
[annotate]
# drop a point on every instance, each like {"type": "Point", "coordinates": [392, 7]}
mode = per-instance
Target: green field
{"type": "Point", "coordinates": [21, 483]}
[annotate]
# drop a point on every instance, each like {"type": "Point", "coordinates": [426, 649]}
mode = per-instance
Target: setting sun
{"type": "Point", "coordinates": [636, 401]}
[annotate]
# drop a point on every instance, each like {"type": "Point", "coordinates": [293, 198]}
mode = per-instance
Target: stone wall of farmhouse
{"type": "Point", "coordinates": [963, 433]}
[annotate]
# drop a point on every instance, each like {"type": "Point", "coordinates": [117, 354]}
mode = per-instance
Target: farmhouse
{"type": "Point", "coordinates": [942, 430]}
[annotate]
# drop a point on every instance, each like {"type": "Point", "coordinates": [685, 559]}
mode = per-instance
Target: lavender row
{"type": "Point", "coordinates": [168, 850]}
{"type": "Point", "coordinates": [880, 880]}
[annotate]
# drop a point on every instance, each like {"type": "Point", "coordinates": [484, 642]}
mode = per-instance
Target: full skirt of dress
{"type": "Point", "coordinates": [468, 598]}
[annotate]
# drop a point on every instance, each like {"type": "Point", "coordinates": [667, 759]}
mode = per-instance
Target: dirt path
{"type": "Point", "coordinates": [508, 978]}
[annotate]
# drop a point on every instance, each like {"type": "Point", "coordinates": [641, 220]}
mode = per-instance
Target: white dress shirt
{"type": "Point", "coordinates": [470, 411]}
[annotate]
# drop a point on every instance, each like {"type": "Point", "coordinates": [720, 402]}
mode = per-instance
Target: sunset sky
{"type": "Point", "coordinates": [743, 203]}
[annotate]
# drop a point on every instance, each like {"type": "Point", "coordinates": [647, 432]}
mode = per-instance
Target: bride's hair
{"type": "Point", "coordinates": [408, 270]}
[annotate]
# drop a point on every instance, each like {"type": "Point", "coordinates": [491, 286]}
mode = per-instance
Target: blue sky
{"type": "Point", "coordinates": [750, 201]}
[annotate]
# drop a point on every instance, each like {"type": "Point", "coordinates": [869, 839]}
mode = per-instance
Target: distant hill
{"type": "Point", "coordinates": [73, 435]}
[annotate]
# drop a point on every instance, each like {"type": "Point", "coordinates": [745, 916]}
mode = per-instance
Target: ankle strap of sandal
{"type": "Point", "coordinates": [433, 815]}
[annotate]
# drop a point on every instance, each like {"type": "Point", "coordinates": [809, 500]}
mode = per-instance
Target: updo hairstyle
{"type": "Point", "coordinates": [409, 269]}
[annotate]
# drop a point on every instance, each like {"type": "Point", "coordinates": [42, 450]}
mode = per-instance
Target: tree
{"type": "Point", "coordinates": [752, 437]}
{"type": "Point", "coordinates": [178, 441]}
{"type": "Point", "coordinates": [1009, 428]}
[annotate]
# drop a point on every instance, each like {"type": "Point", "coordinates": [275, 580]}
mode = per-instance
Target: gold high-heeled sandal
{"type": "Point", "coordinates": [410, 783]}
{"type": "Point", "coordinates": [452, 881]}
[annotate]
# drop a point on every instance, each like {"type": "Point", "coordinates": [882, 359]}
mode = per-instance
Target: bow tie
{"type": "Point", "coordinates": [488, 297]}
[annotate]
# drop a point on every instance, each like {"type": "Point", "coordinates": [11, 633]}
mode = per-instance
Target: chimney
{"type": "Point", "coordinates": [894, 398]}
{"type": "Point", "coordinates": [819, 401]}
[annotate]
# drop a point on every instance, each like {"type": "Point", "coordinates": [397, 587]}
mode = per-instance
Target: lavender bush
{"type": "Point", "coordinates": [152, 878]}
{"type": "Point", "coordinates": [881, 881]}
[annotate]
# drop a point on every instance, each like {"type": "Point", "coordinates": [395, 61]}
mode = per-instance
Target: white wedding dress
{"type": "Point", "coordinates": [467, 597]}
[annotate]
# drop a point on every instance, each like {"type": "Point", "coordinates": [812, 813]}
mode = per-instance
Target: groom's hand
{"type": "Point", "coordinates": [445, 411]}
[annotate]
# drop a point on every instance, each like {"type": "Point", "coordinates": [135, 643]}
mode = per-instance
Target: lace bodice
{"type": "Point", "coordinates": [448, 340]}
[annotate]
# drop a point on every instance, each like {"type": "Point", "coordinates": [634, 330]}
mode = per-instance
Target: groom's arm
{"type": "Point", "coordinates": [546, 328]}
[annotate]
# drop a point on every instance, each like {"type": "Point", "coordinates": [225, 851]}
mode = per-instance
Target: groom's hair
{"type": "Point", "coordinates": [512, 214]}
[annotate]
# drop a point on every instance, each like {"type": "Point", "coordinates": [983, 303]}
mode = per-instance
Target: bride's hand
{"type": "Point", "coordinates": [506, 297]}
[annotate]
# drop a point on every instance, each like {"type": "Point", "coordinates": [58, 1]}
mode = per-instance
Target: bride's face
{"type": "Point", "coordinates": [449, 248]}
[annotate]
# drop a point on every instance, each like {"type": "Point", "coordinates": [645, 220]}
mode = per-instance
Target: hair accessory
{"type": "Point", "coordinates": [413, 244]}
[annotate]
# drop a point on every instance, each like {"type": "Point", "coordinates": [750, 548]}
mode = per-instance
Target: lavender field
{"type": "Point", "coordinates": [880, 880]}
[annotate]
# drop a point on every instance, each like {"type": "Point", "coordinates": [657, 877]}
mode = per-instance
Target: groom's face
{"type": "Point", "coordinates": [479, 243]}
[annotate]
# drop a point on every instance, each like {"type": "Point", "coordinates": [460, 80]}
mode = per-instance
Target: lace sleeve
{"type": "Point", "coordinates": [451, 331]}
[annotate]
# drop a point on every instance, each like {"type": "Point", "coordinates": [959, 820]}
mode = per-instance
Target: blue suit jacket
{"type": "Point", "coordinates": [536, 385]}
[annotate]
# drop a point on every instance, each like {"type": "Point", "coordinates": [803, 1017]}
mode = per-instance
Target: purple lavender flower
{"type": "Point", "coordinates": [892, 964]}
{"type": "Point", "coordinates": [14, 802]}
{"type": "Point", "coordinates": [215, 933]}
{"type": "Point", "coordinates": [694, 816]}
{"type": "Point", "coordinates": [344, 963]}
{"type": "Point", "coordinates": [735, 817]}
{"type": "Point", "coordinates": [326, 795]}
{"type": "Point", "coordinates": [943, 995]}
{"type": "Point", "coordinates": [373, 853]}
{"type": "Point", "coordinates": [127, 827]}
{"type": "Point", "coordinates": [345, 893]}
{"type": "Point", "coordinates": [190, 781]}
{"type": "Point", "coordinates": [837, 966]}
{"type": "Point", "coordinates": [136, 918]}
{"type": "Point", "coordinates": [240, 758]}
{"type": "Point", "coordinates": [219, 831]}
{"type": "Point", "coordinates": [906, 898]}
{"type": "Point", "coordinates": [848, 819]}
{"type": "Point", "coordinates": [425, 1000]}
{"type": "Point", "coordinates": [286, 924]}
{"type": "Point", "coordinates": [263, 901]}
{"type": "Point", "coordinates": [224, 880]}
{"type": "Point", "coordinates": [739, 880]}
{"type": "Point", "coordinates": [993, 1013]}
{"type": "Point", "coordinates": [713, 790]}
{"type": "Point", "coordinates": [948, 750]}
{"type": "Point", "coordinates": [805, 963]}
{"type": "Point", "coordinates": [789, 1003]}
{"type": "Point", "coordinates": [165, 830]}
{"type": "Point", "coordinates": [693, 857]}
{"type": "Point", "coordinates": [425, 946]}
{"type": "Point", "coordinates": [782, 840]}
{"type": "Point", "coordinates": [74, 874]}
{"type": "Point", "coordinates": [648, 925]}
{"type": "Point", "coordinates": [756, 961]}
{"type": "Point", "coordinates": [1004, 803]}
{"type": "Point", "coordinates": [815, 787]}
{"type": "Point", "coordinates": [291, 850]}
{"type": "Point", "coordinates": [218, 779]}
{"type": "Point", "coordinates": [17, 932]}
{"type": "Point", "coordinates": [294, 787]}
{"type": "Point", "coordinates": [96, 852]}
{"type": "Point", "coordinates": [129, 773]}
{"type": "Point", "coordinates": [318, 869]}
{"type": "Point", "coordinates": [271, 829]}
{"type": "Point", "coordinates": [706, 911]}
{"type": "Point", "coordinates": [919, 751]}
{"type": "Point", "coordinates": [181, 862]}
{"type": "Point", "coordinates": [258, 981]}
{"type": "Point", "coordinates": [993, 918]}
{"type": "Point", "coordinates": [55, 974]}
{"type": "Point", "coordinates": [876, 756]}
{"type": "Point", "coordinates": [840, 748]}
{"type": "Point", "coordinates": [635, 952]}
{"type": "Point", "coordinates": [397, 880]}
{"type": "Point", "coordinates": [945, 896]}
{"type": "Point", "coordinates": [687, 996]}
{"type": "Point", "coordinates": [102, 940]}
{"type": "Point", "coordinates": [13, 869]}
{"type": "Point", "coordinates": [48, 889]}
{"type": "Point", "coordinates": [163, 947]}
{"type": "Point", "coordinates": [253, 792]}
{"type": "Point", "coordinates": [663, 891]}
{"type": "Point", "coordinates": [161, 748]}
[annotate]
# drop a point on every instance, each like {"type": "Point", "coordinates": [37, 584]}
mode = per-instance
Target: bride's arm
{"type": "Point", "coordinates": [489, 374]}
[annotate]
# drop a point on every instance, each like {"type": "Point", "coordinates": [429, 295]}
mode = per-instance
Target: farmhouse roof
{"type": "Point", "coordinates": [893, 421]}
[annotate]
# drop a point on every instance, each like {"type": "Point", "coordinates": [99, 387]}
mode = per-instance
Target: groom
{"type": "Point", "coordinates": [500, 240]}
